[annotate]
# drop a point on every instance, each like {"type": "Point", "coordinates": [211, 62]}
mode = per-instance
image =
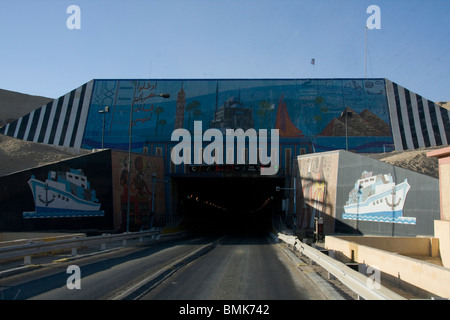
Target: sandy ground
{"type": "Point", "coordinates": [17, 155]}
{"type": "Point", "coordinates": [415, 160]}
{"type": "Point", "coordinates": [14, 105]}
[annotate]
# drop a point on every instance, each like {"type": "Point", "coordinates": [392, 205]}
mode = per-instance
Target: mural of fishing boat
{"type": "Point", "coordinates": [63, 194]}
{"type": "Point", "coordinates": [378, 198]}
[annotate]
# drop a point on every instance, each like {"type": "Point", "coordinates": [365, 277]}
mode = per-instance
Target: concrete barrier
{"type": "Point", "coordinates": [421, 274]}
{"type": "Point", "coordinates": [17, 238]}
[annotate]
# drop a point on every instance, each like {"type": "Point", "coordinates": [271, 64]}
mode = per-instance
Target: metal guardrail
{"type": "Point", "coordinates": [357, 282]}
{"type": "Point", "coordinates": [32, 248]}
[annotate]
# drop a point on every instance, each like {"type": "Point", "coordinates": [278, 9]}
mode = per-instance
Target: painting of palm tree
{"type": "Point", "coordinates": [162, 123]}
{"type": "Point", "coordinates": [191, 109]}
{"type": "Point", "coordinates": [158, 111]}
{"type": "Point", "coordinates": [265, 112]}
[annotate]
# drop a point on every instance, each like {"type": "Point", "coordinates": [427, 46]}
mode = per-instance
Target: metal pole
{"type": "Point", "coordinates": [366, 55]}
{"type": "Point", "coordinates": [103, 130]}
{"type": "Point", "coordinates": [295, 195]}
{"type": "Point", "coordinates": [129, 163]}
{"type": "Point", "coordinates": [163, 95]}
{"type": "Point", "coordinates": [346, 131]}
{"type": "Point", "coordinates": [153, 200]}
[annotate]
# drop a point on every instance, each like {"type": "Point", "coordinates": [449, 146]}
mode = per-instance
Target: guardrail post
{"type": "Point", "coordinates": [74, 249]}
{"type": "Point", "coordinates": [27, 259]}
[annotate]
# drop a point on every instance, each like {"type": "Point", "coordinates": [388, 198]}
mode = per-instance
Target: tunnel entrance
{"type": "Point", "coordinates": [228, 204]}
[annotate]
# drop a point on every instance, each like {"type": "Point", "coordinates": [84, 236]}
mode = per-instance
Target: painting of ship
{"type": "Point", "coordinates": [377, 198]}
{"type": "Point", "coordinates": [63, 194]}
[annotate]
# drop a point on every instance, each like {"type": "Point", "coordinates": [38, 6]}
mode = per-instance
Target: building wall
{"type": "Point", "coordinates": [328, 184]}
{"type": "Point", "coordinates": [300, 108]}
{"type": "Point", "coordinates": [141, 186]}
{"type": "Point", "coordinates": [416, 121]}
{"type": "Point", "coordinates": [18, 205]}
{"type": "Point", "coordinates": [307, 113]}
{"type": "Point", "coordinates": [316, 177]}
{"type": "Point", "coordinates": [421, 202]}
{"type": "Point", "coordinates": [60, 122]}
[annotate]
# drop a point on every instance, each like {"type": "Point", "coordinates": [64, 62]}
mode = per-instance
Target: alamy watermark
{"type": "Point", "coordinates": [374, 21]}
{"type": "Point", "coordinates": [74, 20]}
{"type": "Point", "coordinates": [213, 153]}
{"type": "Point", "coordinates": [74, 280]}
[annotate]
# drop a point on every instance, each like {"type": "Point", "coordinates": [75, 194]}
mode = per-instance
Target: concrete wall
{"type": "Point", "coordinates": [421, 203]}
{"type": "Point", "coordinates": [316, 178]}
{"type": "Point", "coordinates": [326, 185]}
{"type": "Point", "coordinates": [409, 246]}
{"type": "Point", "coordinates": [426, 276]}
{"type": "Point", "coordinates": [442, 232]}
{"type": "Point", "coordinates": [141, 186]}
{"type": "Point", "coordinates": [442, 227]}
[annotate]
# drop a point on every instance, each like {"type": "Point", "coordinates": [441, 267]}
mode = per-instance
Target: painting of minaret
{"type": "Point", "coordinates": [179, 113]}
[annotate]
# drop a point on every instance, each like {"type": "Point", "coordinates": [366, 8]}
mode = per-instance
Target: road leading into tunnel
{"type": "Point", "coordinates": [214, 267]}
{"type": "Point", "coordinates": [241, 267]}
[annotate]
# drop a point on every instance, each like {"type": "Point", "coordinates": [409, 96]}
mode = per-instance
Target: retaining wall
{"type": "Point", "coordinates": [421, 274]}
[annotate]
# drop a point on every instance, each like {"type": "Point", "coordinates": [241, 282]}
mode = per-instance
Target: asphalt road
{"type": "Point", "coordinates": [102, 276]}
{"type": "Point", "coordinates": [233, 267]}
{"type": "Point", "coordinates": [239, 268]}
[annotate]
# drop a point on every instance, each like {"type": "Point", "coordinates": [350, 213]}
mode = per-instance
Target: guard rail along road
{"type": "Point", "coordinates": [355, 281]}
{"type": "Point", "coordinates": [32, 248]}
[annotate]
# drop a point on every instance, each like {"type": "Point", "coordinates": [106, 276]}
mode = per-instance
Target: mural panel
{"type": "Point", "coordinates": [63, 194]}
{"type": "Point", "coordinates": [378, 198]}
{"type": "Point", "coordinates": [75, 194]}
{"type": "Point", "coordinates": [317, 177]}
{"type": "Point", "coordinates": [143, 186]}
{"type": "Point", "coordinates": [306, 109]}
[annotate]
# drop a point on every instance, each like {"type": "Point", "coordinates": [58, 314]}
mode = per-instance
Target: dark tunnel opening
{"type": "Point", "coordinates": [229, 205]}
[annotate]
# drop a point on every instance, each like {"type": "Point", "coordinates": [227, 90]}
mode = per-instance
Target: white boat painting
{"type": "Point", "coordinates": [377, 198]}
{"type": "Point", "coordinates": [63, 194]}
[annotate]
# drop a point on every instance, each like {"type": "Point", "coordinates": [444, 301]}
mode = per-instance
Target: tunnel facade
{"type": "Point", "coordinates": [140, 116]}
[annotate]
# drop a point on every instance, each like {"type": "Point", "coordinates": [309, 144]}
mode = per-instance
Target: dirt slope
{"type": "Point", "coordinates": [17, 155]}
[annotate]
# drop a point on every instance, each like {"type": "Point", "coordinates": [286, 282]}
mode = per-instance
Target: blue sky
{"type": "Point", "coordinates": [204, 39]}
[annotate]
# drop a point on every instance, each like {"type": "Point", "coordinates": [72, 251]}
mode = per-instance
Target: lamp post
{"type": "Point", "coordinates": [103, 112]}
{"type": "Point", "coordinates": [162, 95]}
{"type": "Point", "coordinates": [346, 114]}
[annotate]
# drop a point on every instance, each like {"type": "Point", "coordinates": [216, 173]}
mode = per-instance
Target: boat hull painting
{"type": "Point", "coordinates": [57, 199]}
{"type": "Point", "coordinates": [379, 201]}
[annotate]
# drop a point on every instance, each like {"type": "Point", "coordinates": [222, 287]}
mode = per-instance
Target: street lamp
{"type": "Point", "coordinates": [346, 114]}
{"type": "Point", "coordinates": [103, 112]}
{"type": "Point", "coordinates": [162, 95]}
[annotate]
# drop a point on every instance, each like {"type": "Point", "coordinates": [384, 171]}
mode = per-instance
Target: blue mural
{"type": "Point", "coordinates": [308, 112]}
{"type": "Point", "coordinates": [377, 198]}
{"type": "Point", "coordinates": [63, 194]}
